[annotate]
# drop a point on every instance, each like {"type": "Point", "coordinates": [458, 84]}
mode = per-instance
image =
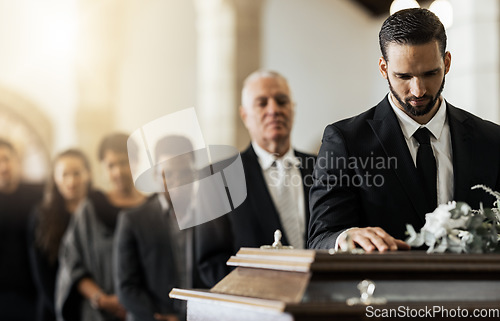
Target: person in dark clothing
{"type": "Point", "coordinates": [66, 188]}
{"type": "Point", "coordinates": [394, 163]}
{"type": "Point", "coordinates": [85, 289]}
{"type": "Point", "coordinates": [17, 290]}
{"type": "Point", "coordinates": [277, 178]}
{"type": "Point", "coordinates": [152, 253]}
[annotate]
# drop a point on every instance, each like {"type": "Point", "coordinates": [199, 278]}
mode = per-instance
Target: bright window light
{"type": "Point", "coordinates": [444, 10]}
{"type": "Point", "coordinates": [403, 4]}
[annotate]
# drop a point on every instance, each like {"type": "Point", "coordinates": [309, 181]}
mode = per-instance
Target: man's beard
{"type": "Point", "coordinates": [414, 111]}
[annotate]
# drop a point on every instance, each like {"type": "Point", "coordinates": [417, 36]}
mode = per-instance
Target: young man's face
{"type": "Point", "coordinates": [117, 168]}
{"type": "Point", "coordinates": [175, 171]}
{"type": "Point", "coordinates": [10, 170]}
{"type": "Point", "coordinates": [415, 74]}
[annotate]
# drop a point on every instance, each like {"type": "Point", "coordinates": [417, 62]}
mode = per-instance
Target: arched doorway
{"type": "Point", "coordinates": [25, 125]}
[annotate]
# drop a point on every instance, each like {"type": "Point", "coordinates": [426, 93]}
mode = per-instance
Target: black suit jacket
{"type": "Point", "coordinates": [146, 261]}
{"type": "Point", "coordinates": [17, 290]}
{"type": "Point", "coordinates": [252, 224]}
{"type": "Point", "coordinates": [365, 175]}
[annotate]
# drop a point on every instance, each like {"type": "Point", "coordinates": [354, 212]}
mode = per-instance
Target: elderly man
{"type": "Point", "coordinates": [276, 178]}
{"type": "Point", "coordinates": [17, 298]}
{"type": "Point", "coordinates": [412, 151]}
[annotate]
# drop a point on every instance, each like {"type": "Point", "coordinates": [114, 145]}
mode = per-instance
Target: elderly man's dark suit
{"type": "Point", "coordinates": [339, 200]}
{"type": "Point", "coordinates": [252, 224]}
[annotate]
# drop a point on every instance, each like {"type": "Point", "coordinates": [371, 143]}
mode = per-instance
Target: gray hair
{"type": "Point", "coordinates": [258, 75]}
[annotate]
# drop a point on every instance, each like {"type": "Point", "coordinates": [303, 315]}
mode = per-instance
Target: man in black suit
{"type": "Point", "coordinates": [17, 199]}
{"type": "Point", "coordinates": [152, 254]}
{"type": "Point", "coordinates": [392, 164]}
{"type": "Point", "coordinates": [277, 177]}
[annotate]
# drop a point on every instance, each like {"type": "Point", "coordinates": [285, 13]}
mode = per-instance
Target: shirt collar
{"type": "Point", "coordinates": [267, 159]}
{"type": "Point", "coordinates": [163, 202]}
{"type": "Point", "coordinates": [409, 126]}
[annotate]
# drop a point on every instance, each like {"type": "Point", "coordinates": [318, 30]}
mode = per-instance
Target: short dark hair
{"type": "Point", "coordinates": [412, 27]}
{"type": "Point", "coordinates": [173, 145]}
{"type": "Point", "coordinates": [116, 142]}
{"type": "Point", "coordinates": [6, 144]}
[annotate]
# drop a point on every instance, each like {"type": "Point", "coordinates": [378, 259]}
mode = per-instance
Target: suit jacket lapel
{"type": "Point", "coordinates": [262, 203]}
{"type": "Point", "coordinates": [462, 143]}
{"type": "Point", "coordinates": [388, 131]}
{"type": "Point", "coordinates": [306, 169]}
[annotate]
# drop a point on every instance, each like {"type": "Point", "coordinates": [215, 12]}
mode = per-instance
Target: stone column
{"type": "Point", "coordinates": [228, 49]}
{"type": "Point", "coordinates": [248, 59]}
{"type": "Point", "coordinates": [474, 42]}
{"type": "Point", "coordinates": [98, 62]}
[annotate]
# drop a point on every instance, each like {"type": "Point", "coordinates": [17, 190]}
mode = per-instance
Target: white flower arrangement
{"type": "Point", "coordinates": [456, 227]}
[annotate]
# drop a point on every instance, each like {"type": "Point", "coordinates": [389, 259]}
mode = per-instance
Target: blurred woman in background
{"type": "Point", "coordinates": [65, 190]}
{"type": "Point", "coordinates": [85, 289]}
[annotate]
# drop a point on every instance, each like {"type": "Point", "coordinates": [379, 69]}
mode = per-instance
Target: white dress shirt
{"type": "Point", "coordinates": [440, 142]}
{"type": "Point", "coordinates": [266, 161]}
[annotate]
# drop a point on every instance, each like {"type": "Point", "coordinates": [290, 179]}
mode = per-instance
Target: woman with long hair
{"type": "Point", "coordinates": [65, 190]}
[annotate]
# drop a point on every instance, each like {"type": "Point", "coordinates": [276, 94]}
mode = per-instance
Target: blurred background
{"type": "Point", "coordinates": [72, 71]}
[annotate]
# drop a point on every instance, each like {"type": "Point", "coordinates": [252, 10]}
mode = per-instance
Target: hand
{"type": "Point", "coordinates": [166, 317]}
{"type": "Point", "coordinates": [371, 239]}
{"type": "Point", "coordinates": [111, 304]}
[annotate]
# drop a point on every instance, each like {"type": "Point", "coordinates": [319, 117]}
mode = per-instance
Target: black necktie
{"type": "Point", "coordinates": [426, 166]}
